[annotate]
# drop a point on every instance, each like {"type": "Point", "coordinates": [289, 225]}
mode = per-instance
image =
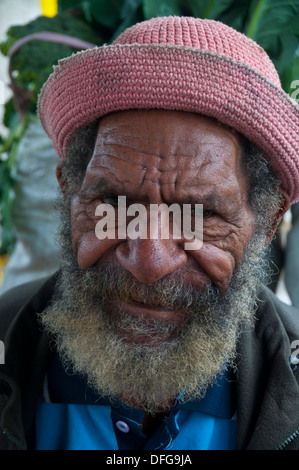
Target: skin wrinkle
{"type": "Point", "coordinates": [132, 137]}
{"type": "Point", "coordinates": [102, 147]}
{"type": "Point", "coordinates": [166, 169]}
{"type": "Point", "coordinates": [132, 148]}
{"type": "Point", "coordinates": [74, 323]}
{"type": "Point", "coordinates": [132, 352]}
{"type": "Point", "coordinates": [154, 189]}
{"type": "Point", "coordinates": [110, 187]}
{"type": "Point", "coordinates": [82, 213]}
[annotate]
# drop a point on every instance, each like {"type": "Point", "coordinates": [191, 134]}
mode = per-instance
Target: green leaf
{"type": "Point", "coordinates": [236, 15]}
{"type": "Point", "coordinates": [85, 5]}
{"type": "Point", "coordinates": [10, 116]}
{"type": "Point", "coordinates": [131, 13]}
{"type": "Point", "coordinates": [106, 13]}
{"type": "Point", "coordinates": [288, 46]}
{"type": "Point", "coordinates": [33, 62]}
{"type": "Point", "coordinates": [214, 8]}
{"type": "Point", "coordinates": [193, 8]}
{"type": "Point", "coordinates": [274, 24]}
{"type": "Point", "coordinates": [290, 77]}
{"type": "Point", "coordinates": [268, 18]}
{"type": "Point", "coordinates": [7, 238]}
{"type": "Point", "coordinates": [153, 8]}
{"type": "Point", "coordinates": [68, 4]}
{"type": "Point", "coordinates": [129, 8]}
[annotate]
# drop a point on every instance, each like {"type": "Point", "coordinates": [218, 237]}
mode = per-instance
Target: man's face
{"type": "Point", "coordinates": [155, 157]}
{"type": "Point", "coordinates": [145, 319]}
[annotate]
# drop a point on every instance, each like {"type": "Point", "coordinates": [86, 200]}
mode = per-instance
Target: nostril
{"type": "Point", "coordinates": [150, 260]}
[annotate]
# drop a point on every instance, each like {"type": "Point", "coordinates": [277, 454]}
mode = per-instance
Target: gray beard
{"type": "Point", "coordinates": [149, 375]}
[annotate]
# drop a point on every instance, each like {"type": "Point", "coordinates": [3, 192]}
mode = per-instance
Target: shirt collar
{"type": "Point", "coordinates": [220, 398]}
{"type": "Point", "coordinates": [68, 387]}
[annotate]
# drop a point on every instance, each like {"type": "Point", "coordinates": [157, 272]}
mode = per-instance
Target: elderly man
{"type": "Point", "coordinates": [139, 342]}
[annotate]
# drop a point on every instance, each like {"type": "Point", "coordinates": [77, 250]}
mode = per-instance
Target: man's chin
{"type": "Point", "coordinates": [144, 325]}
{"type": "Point", "coordinates": [138, 340]}
{"type": "Point", "coordinates": [140, 364]}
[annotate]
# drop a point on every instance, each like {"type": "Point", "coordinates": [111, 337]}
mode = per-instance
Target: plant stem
{"type": "Point", "coordinates": [250, 30]}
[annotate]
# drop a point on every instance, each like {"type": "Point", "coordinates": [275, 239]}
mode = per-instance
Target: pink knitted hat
{"type": "Point", "coordinates": [178, 63]}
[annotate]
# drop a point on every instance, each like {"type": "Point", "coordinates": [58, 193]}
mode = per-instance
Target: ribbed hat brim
{"type": "Point", "coordinates": [98, 81]}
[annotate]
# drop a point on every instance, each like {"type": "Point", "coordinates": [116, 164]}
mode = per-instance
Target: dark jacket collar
{"type": "Point", "coordinates": [267, 387]}
{"type": "Point", "coordinates": [27, 353]}
{"type": "Point", "coordinates": [267, 390]}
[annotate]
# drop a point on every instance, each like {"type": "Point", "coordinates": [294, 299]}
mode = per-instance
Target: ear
{"type": "Point", "coordinates": [277, 217]}
{"type": "Point", "coordinates": [61, 180]}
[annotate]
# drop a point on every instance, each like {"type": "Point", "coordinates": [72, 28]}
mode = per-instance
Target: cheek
{"type": "Point", "coordinates": [88, 249]}
{"type": "Point", "coordinates": [220, 255]}
{"type": "Point", "coordinates": [217, 263]}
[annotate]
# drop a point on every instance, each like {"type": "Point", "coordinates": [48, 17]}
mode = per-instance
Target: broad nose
{"type": "Point", "coordinates": [150, 260]}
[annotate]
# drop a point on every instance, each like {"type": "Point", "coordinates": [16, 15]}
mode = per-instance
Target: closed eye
{"type": "Point", "coordinates": [111, 200]}
{"type": "Point", "coordinates": [207, 213]}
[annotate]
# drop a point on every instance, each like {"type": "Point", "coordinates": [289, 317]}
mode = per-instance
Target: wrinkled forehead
{"type": "Point", "coordinates": [163, 138]}
{"type": "Point", "coordinates": [166, 153]}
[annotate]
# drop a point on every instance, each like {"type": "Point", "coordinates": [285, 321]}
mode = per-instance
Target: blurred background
{"type": "Point", "coordinates": [28, 188]}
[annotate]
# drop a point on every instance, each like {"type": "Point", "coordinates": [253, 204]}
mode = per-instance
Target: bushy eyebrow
{"type": "Point", "coordinates": [211, 200]}
{"type": "Point", "coordinates": [207, 199]}
{"type": "Point", "coordinates": [102, 186]}
{"type": "Point", "coordinates": [229, 205]}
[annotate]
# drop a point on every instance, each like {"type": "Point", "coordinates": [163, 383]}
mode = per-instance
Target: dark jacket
{"type": "Point", "coordinates": [267, 386]}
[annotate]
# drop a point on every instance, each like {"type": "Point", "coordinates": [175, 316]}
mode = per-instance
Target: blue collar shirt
{"type": "Point", "coordinates": [71, 417]}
